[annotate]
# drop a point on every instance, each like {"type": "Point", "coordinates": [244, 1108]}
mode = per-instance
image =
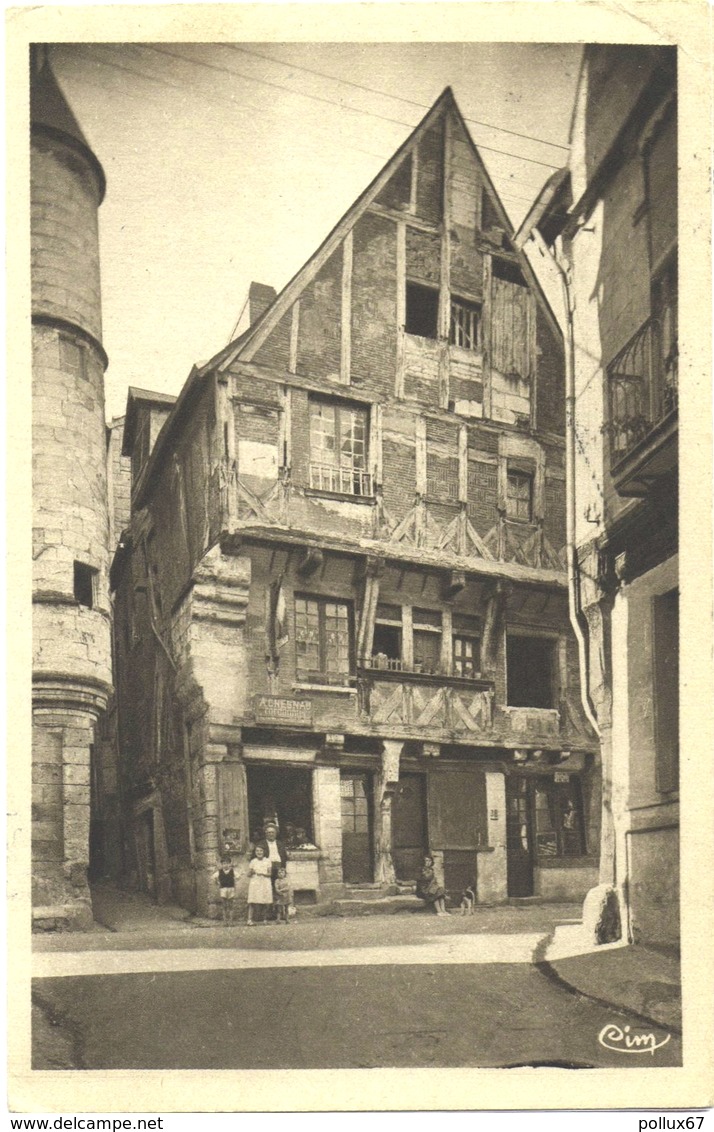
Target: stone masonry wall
{"type": "Point", "coordinates": [65, 244]}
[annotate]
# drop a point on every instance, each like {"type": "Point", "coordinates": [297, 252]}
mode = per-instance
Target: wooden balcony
{"type": "Point", "coordinates": [643, 388]}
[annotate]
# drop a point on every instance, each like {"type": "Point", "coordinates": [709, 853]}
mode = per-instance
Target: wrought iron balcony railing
{"type": "Point", "coordinates": [643, 388]}
{"type": "Point", "coordinates": [344, 481]}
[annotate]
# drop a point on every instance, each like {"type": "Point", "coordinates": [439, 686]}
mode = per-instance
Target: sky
{"type": "Point", "coordinates": [228, 163]}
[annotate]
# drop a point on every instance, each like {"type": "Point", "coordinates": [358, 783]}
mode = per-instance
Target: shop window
{"type": "Point", "coordinates": [558, 818]}
{"type": "Point", "coordinates": [666, 689]}
{"type": "Point", "coordinates": [85, 584]}
{"type": "Point", "coordinates": [427, 641]}
{"type": "Point", "coordinates": [519, 495]}
{"type": "Point", "coordinates": [323, 640]}
{"type": "Point", "coordinates": [465, 324]}
{"type": "Point", "coordinates": [530, 671]}
{"type": "Point", "coordinates": [339, 447]}
{"type": "Point", "coordinates": [422, 316]}
{"type": "Point", "coordinates": [281, 794]}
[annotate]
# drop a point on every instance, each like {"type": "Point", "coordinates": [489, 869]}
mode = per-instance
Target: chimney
{"type": "Point", "coordinates": [260, 296]}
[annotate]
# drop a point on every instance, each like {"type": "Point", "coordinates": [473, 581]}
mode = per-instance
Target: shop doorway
{"type": "Point", "coordinates": [282, 794]}
{"type": "Point", "coordinates": [356, 805]}
{"type": "Point", "coordinates": [409, 840]}
{"type": "Point", "coordinates": [519, 836]}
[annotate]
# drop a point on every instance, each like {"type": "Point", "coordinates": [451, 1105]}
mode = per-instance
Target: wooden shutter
{"type": "Point", "coordinates": [510, 335]}
{"type": "Point", "coordinates": [233, 805]}
{"type": "Point", "coordinates": [457, 808]}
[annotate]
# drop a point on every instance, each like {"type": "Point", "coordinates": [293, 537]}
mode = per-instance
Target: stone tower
{"type": "Point", "coordinates": [71, 611]}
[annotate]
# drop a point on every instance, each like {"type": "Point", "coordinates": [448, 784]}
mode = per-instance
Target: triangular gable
{"type": "Point", "coordinates": [247, 345]}
{"type": "Point", "coordinates": [253, 339]}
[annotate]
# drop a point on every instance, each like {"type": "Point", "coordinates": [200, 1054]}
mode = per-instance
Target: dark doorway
{"type": "Point", "coordinates": [356, 794]}
{"type": "Point", "coordinates": [519, 836]}
{"type": "Point", "coordinates": [409, 840]}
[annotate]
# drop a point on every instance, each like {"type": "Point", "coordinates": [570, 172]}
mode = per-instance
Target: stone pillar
{"type": "Point", "coordinates": [386, 785]}
{"type": "Point", "coordinates": [327, 820]}
{"type": "Point", "coordinates": [491, 873]}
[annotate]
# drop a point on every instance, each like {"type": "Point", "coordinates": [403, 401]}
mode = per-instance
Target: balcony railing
{"type": "Point", "coordinates": [643, 388]}
{"type": "Point", "coordinates": [382, 663]}
{"type": "Point", "coordinates": [343, 481]}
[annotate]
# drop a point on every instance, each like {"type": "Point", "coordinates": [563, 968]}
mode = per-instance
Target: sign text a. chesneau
{"type": "Point", "coordinates": [282, 710]}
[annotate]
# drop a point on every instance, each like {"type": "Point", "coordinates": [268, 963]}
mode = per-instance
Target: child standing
{"type": "Point", "coordinates": [260, 885]}
{"type": "Point", "coordinates": [225, 878]}
{"type": "Point", "coordinates": [283, 895]}
{"type": "Point", "coordinates": [429, 890]}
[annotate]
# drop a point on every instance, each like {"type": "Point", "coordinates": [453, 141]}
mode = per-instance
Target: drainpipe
{"type": "Point", "coordinates": [573, 598]}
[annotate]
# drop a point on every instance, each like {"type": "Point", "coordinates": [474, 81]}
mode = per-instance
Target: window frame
{"type": "Point", "coordinates": [555, 793]}
{"type": "Point", "coordinates": [321, 674]}
{"type": "Point", "coordinates": [85, 576]}
{"type": "Point", "coordinates": [466, 638]}
{"type": "Point", "coordinates": [545, 639]}
{"type": "Point", "coordinates": [335, 471]}
{"type": "Point", "coordinates": [528, 477]}
{"type": "Point", "coordinates": [412, 288]}
{"type": "Point", "coordinates": [475, 310]}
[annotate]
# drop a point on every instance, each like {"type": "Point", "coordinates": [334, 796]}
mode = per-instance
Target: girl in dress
{"type": "Point", "coordinates": [260, 886]}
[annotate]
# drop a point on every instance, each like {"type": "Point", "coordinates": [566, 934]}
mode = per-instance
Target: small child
{"type": "Point", "coordinates": [225, 878]}
{"type": "Point", "coordinates": [429, 890]}
{"type": "Point", "coordinates": [283, 895]}
{"type": "Point", "coordinates": [260, 886]}
{"type": "Point", "coordinates": [468, 900]}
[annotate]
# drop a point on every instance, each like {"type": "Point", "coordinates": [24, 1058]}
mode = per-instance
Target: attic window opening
{"type": "Point", "coordinates": [422, 310]}
{"type": "Point", "coordinates": [85, 584]}
{"type": "Point", "coordinates": [465, 325]}
{"type": "Point", "coordinates": [507, 271]}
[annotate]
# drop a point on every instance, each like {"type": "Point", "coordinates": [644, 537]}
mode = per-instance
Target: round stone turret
{"type": "Point", "coordinates": [71, 611]}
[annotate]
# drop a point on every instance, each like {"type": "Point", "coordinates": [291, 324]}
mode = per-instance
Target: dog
{"type": "Point", "coordinates": [468, 900]}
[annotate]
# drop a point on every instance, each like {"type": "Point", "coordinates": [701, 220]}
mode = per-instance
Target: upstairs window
{"type": "Point", "coordinates": [338, 448]}
{"type": "Point", "coordinates": [427, 641]}
{"type": "Point", "coordinates": [519, 495]}
{"type": "Point", "coordinates": [530, 671]}
{"type": "Point", "coordinates": [465, 326]}
{"type": "Point", "coordinates": [85, 584]}
{"type": "Point", "coordinates": [323, 640]}
{"type": "Point", "coordinates": [387, 640]}
{"type": "Point", "coordinates": [422, 310]}
{"type": "Point", "coordinates": [466, 647]}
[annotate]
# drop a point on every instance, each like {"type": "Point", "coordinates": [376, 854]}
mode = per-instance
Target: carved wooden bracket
{"type": "Point", "coordinates": [453, 582]}
{"type": "Point", "coordinates": [311, 561]}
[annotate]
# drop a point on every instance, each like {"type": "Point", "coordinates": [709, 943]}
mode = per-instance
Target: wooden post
{"type": "Point", "coordinates": [386, 786]}
{"type": "Point", "coordinates": [346, 342]}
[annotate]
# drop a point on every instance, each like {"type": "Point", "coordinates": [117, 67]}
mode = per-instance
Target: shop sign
{"type": "Point", "coordinates": [282, 710]}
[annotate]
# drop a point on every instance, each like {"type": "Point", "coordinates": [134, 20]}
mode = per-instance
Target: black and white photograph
{"type": "Point", "coordinates": [355, 580]}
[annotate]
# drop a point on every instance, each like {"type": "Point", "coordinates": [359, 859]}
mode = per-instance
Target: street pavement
{"type": "Point", "coordinates": [380, 991]}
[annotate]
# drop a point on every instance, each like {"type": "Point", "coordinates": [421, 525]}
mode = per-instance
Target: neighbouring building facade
{"type": "Point", "coordinates": [71, 675]}
{"type": "Point", "coordinates": [341, 601]}
{"type": "Point", "coordinates": [612, 218]}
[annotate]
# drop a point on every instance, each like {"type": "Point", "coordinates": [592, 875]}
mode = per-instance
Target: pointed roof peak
{"type": "Point", "coordinates": [50, 112]}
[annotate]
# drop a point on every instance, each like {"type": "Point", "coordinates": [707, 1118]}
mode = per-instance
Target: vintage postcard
{"type": "Point", "coordinates": [361, 747]}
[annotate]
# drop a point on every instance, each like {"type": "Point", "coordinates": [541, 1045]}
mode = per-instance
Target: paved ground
{"type": "Point", "coordinates": [333, 1017]}
{"type": "Point", "coordinates": [388, 991]}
